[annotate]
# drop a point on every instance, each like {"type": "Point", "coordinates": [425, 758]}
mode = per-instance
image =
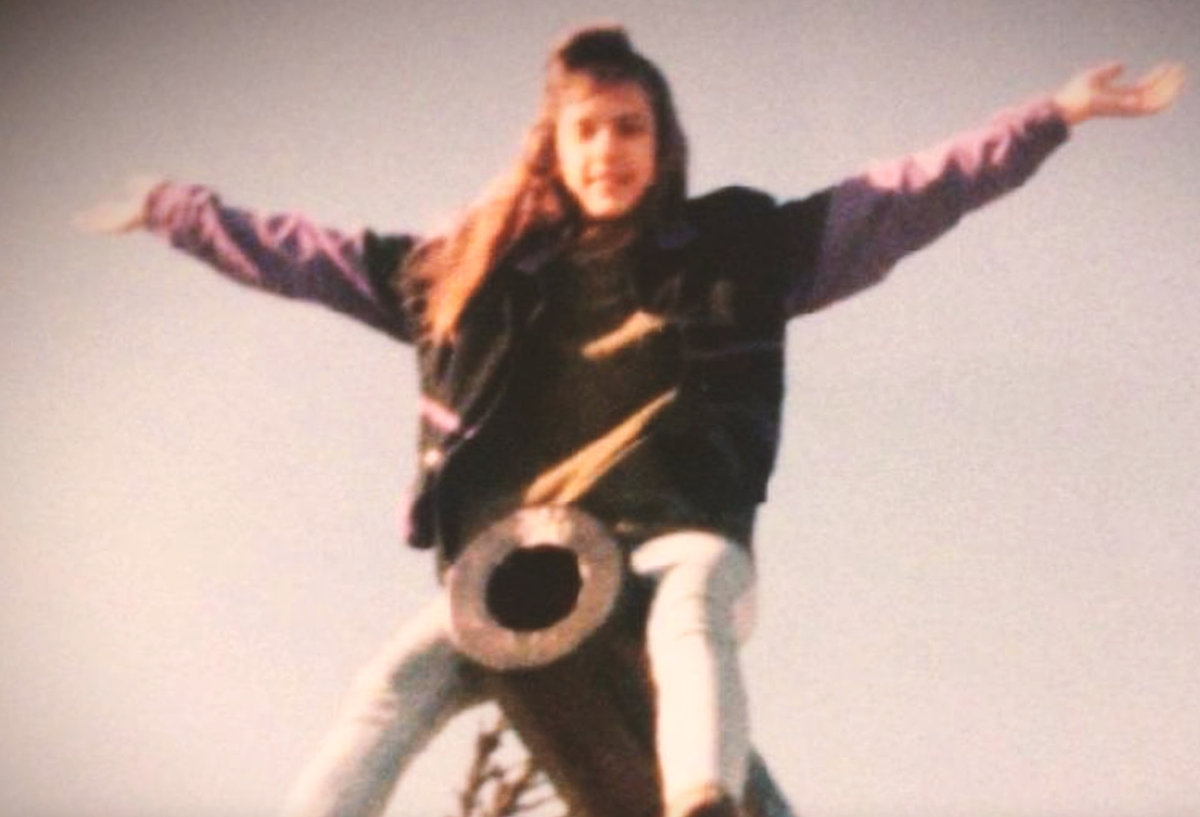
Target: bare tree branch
{"type": "Point", "coordinates": [499, 787]}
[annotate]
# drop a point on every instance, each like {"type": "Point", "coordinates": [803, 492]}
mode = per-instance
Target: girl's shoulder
{"type": "Point", "coordinates": [731, 201]}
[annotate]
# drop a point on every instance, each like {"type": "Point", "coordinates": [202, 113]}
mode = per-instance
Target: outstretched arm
{"type": "Point", "coordinates": [1096, 92]}
{"type": "Point", "coordinates": [876, 218]}
{"type": "Point", "coordinates": [285, 253]}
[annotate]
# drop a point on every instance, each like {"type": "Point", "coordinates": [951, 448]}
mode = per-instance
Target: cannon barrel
{"type": "Point", "coordinates": [543, 601]}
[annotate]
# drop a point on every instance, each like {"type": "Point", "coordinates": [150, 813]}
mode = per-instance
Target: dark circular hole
{"type": "Point", "coordinates": [534, 588]}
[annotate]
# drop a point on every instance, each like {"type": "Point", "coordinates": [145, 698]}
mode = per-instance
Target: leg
{"type": "Point", "coordinates": [701, 609]}
{"type": "Point", "coordinates": [397, 704]}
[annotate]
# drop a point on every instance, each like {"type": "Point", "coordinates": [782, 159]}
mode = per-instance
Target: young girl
{"type": "Point", "coordinates": [589, 337]}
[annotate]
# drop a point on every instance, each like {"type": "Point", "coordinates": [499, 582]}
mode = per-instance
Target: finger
{"type": "Point", "coordinates": [1165, 74]}
{"type": "Point", "coordinates": [96, 221]}
{"type": "Point", "coordinates": [1166, 88]}
{"type": "Point", "coordinates": [1106, 72]}
{"type": "Point", "coordinates": [106, 218]}
{"type": "Point", "coordinates": [1154, 76]}
{"type": "Point", "coordinates": [1174, 77]}
{"type": "Point", "coordinates": [1158, 88]}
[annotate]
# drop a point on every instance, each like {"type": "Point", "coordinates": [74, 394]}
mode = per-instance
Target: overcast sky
{"type": "Point", "coordinates": [979, 565]}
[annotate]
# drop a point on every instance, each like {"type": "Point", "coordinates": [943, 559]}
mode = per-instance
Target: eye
{"type": "Point", "coordinates": [632, 126]}
{"type": "Point", "coordinates": [585, 129]}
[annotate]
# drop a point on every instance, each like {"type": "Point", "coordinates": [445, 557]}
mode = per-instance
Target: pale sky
{"type": "Point", "coordinates": [979, 567]}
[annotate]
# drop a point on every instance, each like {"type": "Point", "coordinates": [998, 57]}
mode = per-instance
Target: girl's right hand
{"type": "Point", "coordinates": [119, 214]}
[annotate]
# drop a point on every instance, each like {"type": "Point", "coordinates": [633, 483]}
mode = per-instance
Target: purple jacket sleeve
{"type": "Point", "coordinates": [286, 254]}
{"type": "Point", "coordinates": [876, 218]}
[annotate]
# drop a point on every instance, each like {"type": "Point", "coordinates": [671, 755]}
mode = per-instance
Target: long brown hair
{"type": "Point", "coordinates": [449, 268]}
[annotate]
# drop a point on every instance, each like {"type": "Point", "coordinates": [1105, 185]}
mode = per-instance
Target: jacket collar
{"type": "Point", "coordinates": [540, 250]}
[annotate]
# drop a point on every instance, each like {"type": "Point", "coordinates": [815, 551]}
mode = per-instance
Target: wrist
{"type": "Point", "coordinates": [144, 190]}
{"type": "Point", "coordinates": [1071, 110]}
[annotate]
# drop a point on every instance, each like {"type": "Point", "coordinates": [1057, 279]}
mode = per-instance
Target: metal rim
{"type": "Point", "coordinates": [476, 632]}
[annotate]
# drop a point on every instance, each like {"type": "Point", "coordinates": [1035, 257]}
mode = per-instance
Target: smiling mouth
{"type": "Point", "coordinates": [609, 181]}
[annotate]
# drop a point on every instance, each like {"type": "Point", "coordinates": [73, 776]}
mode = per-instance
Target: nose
{"type": "Point", "coordinates": [607, 142]}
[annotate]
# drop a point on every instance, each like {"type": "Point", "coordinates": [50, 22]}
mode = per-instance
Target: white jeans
{"type": "Point", "coordinates": [701, 609]}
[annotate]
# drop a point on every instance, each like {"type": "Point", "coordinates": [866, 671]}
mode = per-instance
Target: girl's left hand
{"type": "Point", "coordinates": [1096, 92]}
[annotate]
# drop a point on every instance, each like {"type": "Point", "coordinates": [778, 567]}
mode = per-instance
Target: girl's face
{"type": "Point", "coordinates": [606, 142]}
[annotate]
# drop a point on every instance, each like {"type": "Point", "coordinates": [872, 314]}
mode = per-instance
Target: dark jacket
{"type": "Point", "coordinates": [722, 279]}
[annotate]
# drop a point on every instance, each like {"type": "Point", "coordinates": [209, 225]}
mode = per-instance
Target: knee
{"type": "Point", "coordinates": [418, 665]}
{"type": "Point", "coordinates": [707, 590]}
